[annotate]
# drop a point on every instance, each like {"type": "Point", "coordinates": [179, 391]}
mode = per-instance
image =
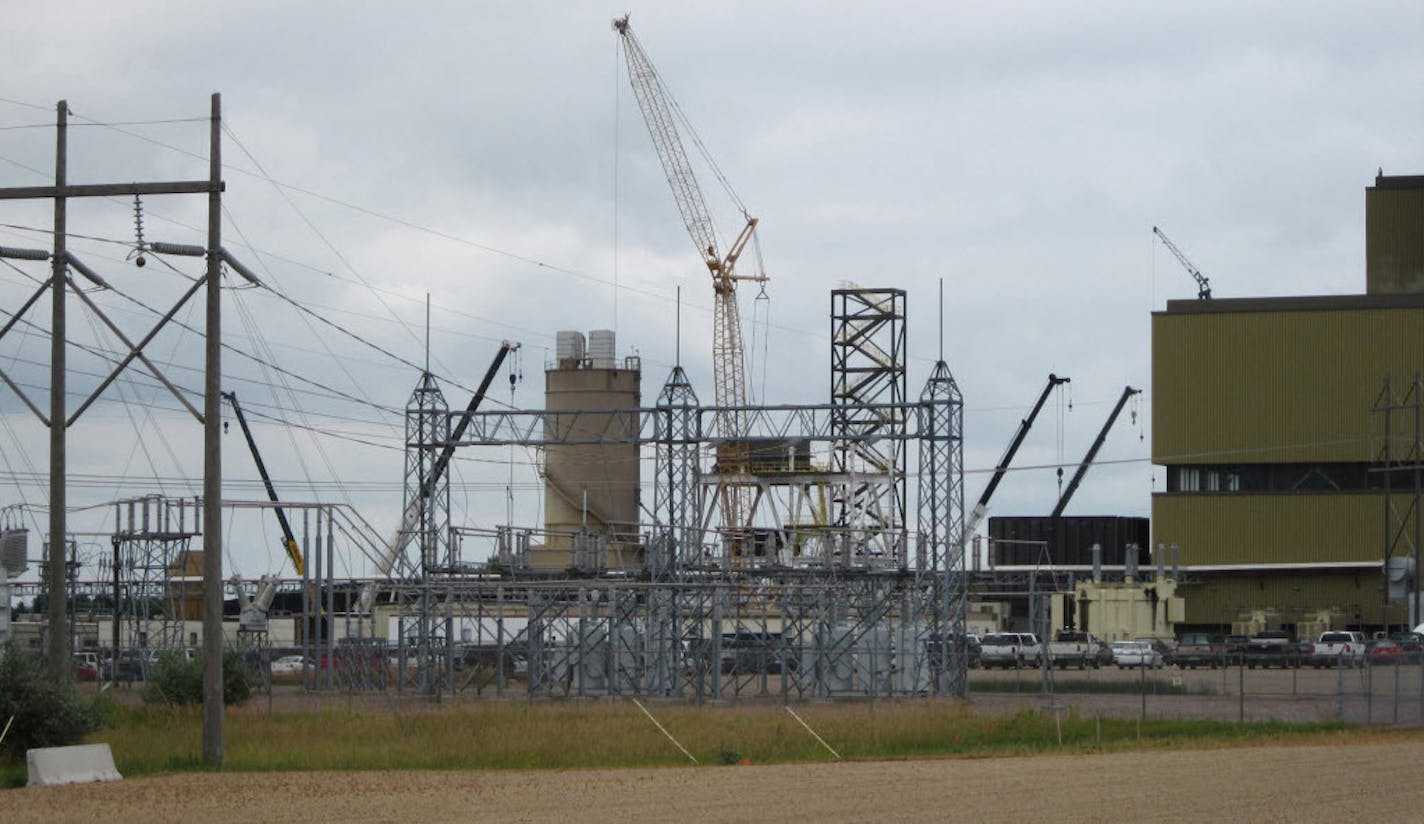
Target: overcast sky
{"type": "Point", "coordinates": [492, 155]}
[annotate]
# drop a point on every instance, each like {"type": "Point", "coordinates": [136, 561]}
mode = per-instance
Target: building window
{"type": "Point", "coordinates": [1283, 477]}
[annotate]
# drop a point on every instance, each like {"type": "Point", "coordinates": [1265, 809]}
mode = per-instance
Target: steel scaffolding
{"type": "Point", "coordinates": [823, 611]}
{"type": "Point", "coordinates": [151, 539]}
{"type": "Point", "coordinates": [868, 392]}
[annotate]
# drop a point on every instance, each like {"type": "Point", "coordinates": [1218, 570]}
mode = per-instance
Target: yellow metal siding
{"type": "Point", "coordinates": [1394, 240]}
{"type": "Point", "coordinates": [1275, 386]}
{"type": "Point", "coordinates": [1350, 598]}
{"type": "Point", "coordinates": [1270, 529]}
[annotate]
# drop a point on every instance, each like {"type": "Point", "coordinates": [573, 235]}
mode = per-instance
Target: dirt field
{"type": "Point", "coordinates": [1377, 783]}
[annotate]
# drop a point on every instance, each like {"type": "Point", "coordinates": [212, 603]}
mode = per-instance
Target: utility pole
{"type": "Point", "coordinates": [212, 460]}
{"type": "Point", "coordinates": [58, 421]}
{"type": "Point", "coordinates": [58, 651]}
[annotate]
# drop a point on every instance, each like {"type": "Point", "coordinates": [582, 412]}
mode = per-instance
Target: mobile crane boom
{"type": "Point", "coordinates": [1203, 285]}
{"type": "Point", "coordinates": [1127, 392]}
{"type": "Point", "coordinates": [411, 516]}
{"type": "Point", "coordinates": [289, 541]}
{"type": "Point", "coordinates": [982, 507]}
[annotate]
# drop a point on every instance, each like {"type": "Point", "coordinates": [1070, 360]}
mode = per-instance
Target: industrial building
{"type": "Point", "coordinates": [1289, 431]}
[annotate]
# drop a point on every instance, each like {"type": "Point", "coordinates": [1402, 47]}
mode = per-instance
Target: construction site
{"type": "Point", "coordinates": [698, 543]}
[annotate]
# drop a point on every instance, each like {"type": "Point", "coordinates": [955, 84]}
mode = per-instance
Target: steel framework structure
{"type": "Point", "coordinates": [1397, 419]}
{"type": "Point", "coordinates": [151, 540]}
{"type": "Point", "coordinates": [822, 618]}
{"type": "Point", "coordinates": [428, 492]}
{"type": "Point", "coordinates": [828, 617]}
{"type": "Point", "coordinates": [868, 391]}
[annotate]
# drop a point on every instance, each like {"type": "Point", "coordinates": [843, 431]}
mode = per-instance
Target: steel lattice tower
{"type": "Point", "coordinates": [941, 524]}
{"type": "Point", "coordinates": [676, 491]}
{"type": "Point", "coordinates": [868, 389]}
{"type": "Point", "coordinates": [427, 429]}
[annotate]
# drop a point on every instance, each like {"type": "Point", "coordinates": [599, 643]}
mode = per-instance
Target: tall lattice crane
{"type": "Point", "coordinates": [1203, 285]}
{"type": "Point", "coordinates": [728, 359]}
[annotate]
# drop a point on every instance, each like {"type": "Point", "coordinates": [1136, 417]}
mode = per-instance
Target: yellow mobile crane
{"type": "Point", "coordinates": [253, 617]}
{"type": "Point", "coordinates": [728, 360]}
{"type": "Point", "coordinates": [289, 541]}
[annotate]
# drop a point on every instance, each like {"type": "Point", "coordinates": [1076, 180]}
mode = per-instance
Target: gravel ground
{"type": "Point", "coordinates": [1377, 783]}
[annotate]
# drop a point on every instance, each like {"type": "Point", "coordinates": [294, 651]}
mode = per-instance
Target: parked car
{"type": "Point", "coordinates": [1233, 650]}
{"type": "Point", "coordinates": [1383, 652]}
{"type": "Point", "coordinates": [1136, 654]}
{"type": "Point", "coordinates": [1272, 648]}
{"type": "Point", "coordinates": [1339, 648]}
{"type": "Point", "coordinates": [749, 652]}
{"type": "Point", "coordinates": [1411, 645]}
{"type": "Point", "coordinates": [90, 661]}
{"type": "Point", "coordinates": [1009, 649]}
{"type": "Point", "coordinates": [290, 665]}
{"type": "Point", "coordinates": [132, 666]}
{"type": "Point", "coordinates": [84, 670]}
{"type": "Point", "coordinates": [1162, 648]}
{"type": "Point", "coordinates": [971, 648]}
{"type": "Point", "coordinates": [1073, 647]}
{"type": "Point", "coordinates": [1195, 649]}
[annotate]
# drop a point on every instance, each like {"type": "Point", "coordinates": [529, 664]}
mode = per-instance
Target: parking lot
{"type": "Point", "coordinates": [1392, 694]}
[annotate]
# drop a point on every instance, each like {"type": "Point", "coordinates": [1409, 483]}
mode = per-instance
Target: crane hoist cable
{"type": "Point", "coordinates": [1127, 392]}
{"type": "Point", "coordinates": [982, 507]}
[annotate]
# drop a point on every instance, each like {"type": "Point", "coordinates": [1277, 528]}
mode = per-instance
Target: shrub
{"type": "Point", "coordinates": [46, 713]}
{"type": "Point", "coordinates": [177, 679]}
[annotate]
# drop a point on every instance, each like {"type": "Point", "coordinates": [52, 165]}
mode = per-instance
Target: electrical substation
{"type": "Point", "coordinates": [708, 546]}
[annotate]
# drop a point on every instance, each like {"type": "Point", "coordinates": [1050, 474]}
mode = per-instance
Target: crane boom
{"type": "Point", "coordinates": [728, 358]}
{"type": "Point", "coordinates": [982, 507]}
{"type": "Point", "coordinates": [289, 541]}
{"type": "Point", "coordinates": [411, 516]}
{"type": "Point", "coordinates": [1203, 284]}
{"type": "Point", "coordinates": [1127, 392]}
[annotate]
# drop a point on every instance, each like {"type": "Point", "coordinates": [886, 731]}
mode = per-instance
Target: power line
{"type": "Point", "coordinates": [399, 221]}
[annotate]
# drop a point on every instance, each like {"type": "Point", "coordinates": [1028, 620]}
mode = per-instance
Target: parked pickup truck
{"type": "Point", "coordinates": [1272, 648]}
{"type": "Point", "coordinates": [1339, 649]}
{"type": "Point", "coordinates": [1009, 649]}
{"type": "Point", "coordinates": [1195, 649]}
{"type": "Point", "coordinates": [1073, 648]}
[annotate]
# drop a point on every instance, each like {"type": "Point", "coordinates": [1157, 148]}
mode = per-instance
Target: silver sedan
{"type": "Point", "coordinates": [1136, 654]}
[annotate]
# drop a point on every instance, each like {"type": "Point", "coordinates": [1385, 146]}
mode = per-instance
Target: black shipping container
{"type": "Point", "coordinates": [1069, 540]}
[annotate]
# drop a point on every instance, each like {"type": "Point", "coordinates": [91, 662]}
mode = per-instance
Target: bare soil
{"type": "Point", "coordinates": [1374, 782]}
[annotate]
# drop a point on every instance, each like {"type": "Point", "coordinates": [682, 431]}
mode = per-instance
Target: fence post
{"type": "Point", "coordinates": [1241, 690]}
{"type": "Point", "coordinates": [1396, 690]}
{"type": "Point", "coordinates": [1340, 686]}
{"type": "Point", "coordinates": [1142, 688]}
{"type": "Point", "coordinates": [1369, 691]}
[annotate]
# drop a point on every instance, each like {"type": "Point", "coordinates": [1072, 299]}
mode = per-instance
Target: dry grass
{"type": "Point", "coordinates": [497, 734]}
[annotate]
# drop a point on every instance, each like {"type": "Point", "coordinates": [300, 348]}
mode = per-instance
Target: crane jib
{"type": "Point", "coordinates": [728, 366]}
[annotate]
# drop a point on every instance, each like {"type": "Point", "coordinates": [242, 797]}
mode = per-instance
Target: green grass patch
{"type": "Point", "coordinates": [13, 775]}
{"type": "Point", "coordinates": [506, 735]}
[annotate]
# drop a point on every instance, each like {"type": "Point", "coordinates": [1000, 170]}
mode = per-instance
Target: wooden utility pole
{"type": "Point", "coordinates": [58, 647]}
{"type": "Point", "coordinates": [212, 461]}
{"type": "Point", "coordinates": [59, 653]}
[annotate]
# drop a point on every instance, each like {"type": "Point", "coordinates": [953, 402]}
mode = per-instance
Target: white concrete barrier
{"type": "Point", "coordinates": [71, 765]}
